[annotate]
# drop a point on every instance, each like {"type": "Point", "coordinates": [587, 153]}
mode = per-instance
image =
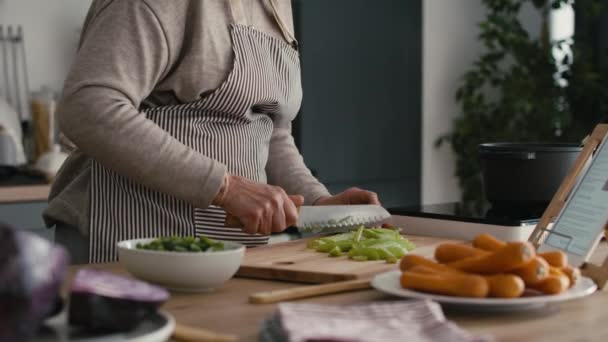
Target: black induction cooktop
{"type": "Point", "coordinates": [472, 212]}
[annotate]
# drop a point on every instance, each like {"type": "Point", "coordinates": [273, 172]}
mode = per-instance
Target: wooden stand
{"type": "Point", "coordinates": [599, 274]}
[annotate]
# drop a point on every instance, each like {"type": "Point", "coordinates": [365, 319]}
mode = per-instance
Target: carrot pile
{"type": "Point", "coordinates": [488, 268]}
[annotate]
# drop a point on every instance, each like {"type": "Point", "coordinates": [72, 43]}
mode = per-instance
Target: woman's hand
{"type": "Point", "coordinates": [350, 196]}
{"type": "Point", "coordinates": [261, 208]}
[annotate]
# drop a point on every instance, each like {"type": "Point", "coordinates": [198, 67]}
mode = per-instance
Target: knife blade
{"type": "Point", "coordinates": [331, 218]}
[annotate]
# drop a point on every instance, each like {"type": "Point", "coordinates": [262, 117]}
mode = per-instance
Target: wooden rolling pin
{"type": "Point", "coordinates": [309, 291]}
{"type": "Point", "coordinates": [191, 334]}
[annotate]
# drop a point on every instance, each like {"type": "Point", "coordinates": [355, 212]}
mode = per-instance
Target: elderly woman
{"type": "Point", "coordinates": [181, 112]}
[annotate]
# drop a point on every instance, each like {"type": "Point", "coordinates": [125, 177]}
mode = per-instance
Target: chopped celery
{"type": "Point", "coordinates": [335, 252]}
{"type": "Point", "coordinates": [384, 254]}
{"type": "Point", "coordinates": [358, 234]}
{"type": "Point", "coordinates": [371, 234]}
{"type": "Point", "coordinates": [338, 237]}
{"type": "Point", "coordinates": [365, 244]}
{"type": "Point", "coordinates": [326, 247]}
{"type": "Point", "coordinates": [313, 244]}
{"type": "Point", "coordinates": [345, 245]}
{"type": "Point", "coordinates": [371, 254]}
{"type": "Point", "coordinates": [397, 251]}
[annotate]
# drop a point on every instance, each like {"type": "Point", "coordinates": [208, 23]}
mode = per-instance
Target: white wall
{"type": "Point", "coordinates": [51, 29]}
{"type": "Point", "coordinates": [450, 46]}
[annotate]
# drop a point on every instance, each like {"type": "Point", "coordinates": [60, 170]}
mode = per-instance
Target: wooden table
{"type": "Point", "coordinates": [227, 310]}
{"type": "Point", "coordinates": [24, 193]}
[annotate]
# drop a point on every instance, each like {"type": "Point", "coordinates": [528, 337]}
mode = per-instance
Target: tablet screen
{"type": "Point", "coordinates": [586, 212]}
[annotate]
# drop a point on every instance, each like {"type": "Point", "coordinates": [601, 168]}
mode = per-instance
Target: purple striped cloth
{"type": "Point", "coordinates": [416, 320]}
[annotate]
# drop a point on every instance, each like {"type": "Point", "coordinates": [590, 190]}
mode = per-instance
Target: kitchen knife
{"type": "Point", "coordinates": [331, 218]}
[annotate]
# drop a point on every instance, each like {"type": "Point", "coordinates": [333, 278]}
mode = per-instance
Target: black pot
{"type": "Point", "coordinates": [524, 175]}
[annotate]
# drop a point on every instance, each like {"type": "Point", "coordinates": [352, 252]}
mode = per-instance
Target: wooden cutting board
{"type": "Point", "coordinates": [293, 261]}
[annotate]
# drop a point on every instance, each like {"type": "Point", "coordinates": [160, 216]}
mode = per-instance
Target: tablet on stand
{"type": "Point", "coordinates": [577, 217]}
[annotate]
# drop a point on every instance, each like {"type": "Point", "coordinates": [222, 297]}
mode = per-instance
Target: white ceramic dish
{"type": "Point", "coordinates": [389, 283]}
{"type": "Point", "coordinates": [155, 328]}
{"type": "Point", "coordinates": [186, 272]}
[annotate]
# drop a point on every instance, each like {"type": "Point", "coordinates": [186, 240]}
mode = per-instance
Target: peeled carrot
{"type": "Point", "coordinates": [487, 242]}
{"type": "Point", "coordinates": [533, 271]}
{"type": "Point", "coordinates": [555, 258]}
{"type": "Point", "coordinates": [499, 285]}
{"type": "Point", "coordinates": [411, 260]}
{"type": "Point", "coordinates": [426, 270]}
{"type": "Point", "coordinates": [451, 284]}
{"type": "Point", "coordinates": [505, 259]}
{"type": "Point", "coordinates": [505, 286]}
{"type": "Point", "coordinates": [553, 284]}
{"type": "Point", "coordinates": [448, 252]}
{"type": "Point", "coordinates": [573, 273]}
{"type": "Point", "coordinates": [558, 272]}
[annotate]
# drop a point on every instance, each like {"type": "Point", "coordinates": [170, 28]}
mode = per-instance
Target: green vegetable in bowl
{"type": "Point", "coordinates": [182, 244]}
{"type": "Point", "coordinates": [365, 244]}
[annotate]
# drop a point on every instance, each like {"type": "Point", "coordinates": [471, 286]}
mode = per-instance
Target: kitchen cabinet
{"type": "Point", "coordinates": [360, 122]}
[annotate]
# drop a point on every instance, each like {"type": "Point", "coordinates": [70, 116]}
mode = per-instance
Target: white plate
{"type": "Point", "coordinates": [389, 283]}
{"type": "Point", "coordinates": [156, 328]}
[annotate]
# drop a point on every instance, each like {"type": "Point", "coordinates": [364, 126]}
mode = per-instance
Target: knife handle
{"type": "Point", "coordinates": [309, 291]}
{"type": "Point", "coordinates": [234, 222]}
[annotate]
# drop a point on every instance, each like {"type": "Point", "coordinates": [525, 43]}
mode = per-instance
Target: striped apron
{"type": "Point", "coordinates": [233, 125]}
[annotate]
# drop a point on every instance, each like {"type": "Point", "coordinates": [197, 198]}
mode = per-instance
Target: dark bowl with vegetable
{"type": "Point", "coordinates": [188, 264]}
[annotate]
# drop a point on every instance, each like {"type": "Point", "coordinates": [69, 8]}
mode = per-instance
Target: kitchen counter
{"type": "Point", "coordinates": [24, 193]}
{"type": "Point", "coordinates": [227, 310]}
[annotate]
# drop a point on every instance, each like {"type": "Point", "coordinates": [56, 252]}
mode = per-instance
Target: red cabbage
{"type": "Point", "coordinates": [101, 301]}
{"type": "Point", "coordinates": [32, 270]}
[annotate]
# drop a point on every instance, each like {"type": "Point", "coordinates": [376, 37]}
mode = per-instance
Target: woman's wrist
{"type": "Point", "coordinates": [221, 194]}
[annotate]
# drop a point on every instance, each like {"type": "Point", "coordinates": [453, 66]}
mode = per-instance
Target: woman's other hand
{"type": "Point", "coordinates": [350, 196]}
{"type": "Point", "coordinates": [261, 208]}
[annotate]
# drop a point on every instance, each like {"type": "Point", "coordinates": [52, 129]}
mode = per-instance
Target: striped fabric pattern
{"type": "Point", "coordinates": [232, 125]}
{"type": "Point", "coordinates": [414, 320]}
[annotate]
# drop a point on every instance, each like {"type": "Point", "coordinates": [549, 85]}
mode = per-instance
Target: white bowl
{"type": "Point", "coordinates": [181, 271]}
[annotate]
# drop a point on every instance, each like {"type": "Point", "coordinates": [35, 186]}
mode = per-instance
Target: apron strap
{"type": "Point", "coordinates": [238, 12]}
{"type": "Point", "coordinates": [289, 36]}
{"type": "Point", "coordinates": [239, 17]}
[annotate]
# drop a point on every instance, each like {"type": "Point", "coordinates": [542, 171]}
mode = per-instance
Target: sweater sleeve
{"type": "Point", "coordinates": [286, 168]}
{"type": "Point", "coordinates": [122, 56]}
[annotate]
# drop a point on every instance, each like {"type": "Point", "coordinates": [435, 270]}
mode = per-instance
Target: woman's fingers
{"type": "Point", "coordinates": [350, 196]}
{"type": "Point", "coordinates": [251, 225]}
{"type": "Point", "coordinates": [262, 208]}
{"type": "Point", "coordinates": [278, 223]}
{"type": "Point", "coordinates": [360, 196]}
{"type": "Point", "coordinates": [268, 220]}
{"type": "Point", "coordinates": [291, 209]}
{"type": "Point", "coordinates": [298, 200]}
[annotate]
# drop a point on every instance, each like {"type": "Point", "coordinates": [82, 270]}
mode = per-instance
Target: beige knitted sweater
{"type": "Point", "coordinates": [136, 54]}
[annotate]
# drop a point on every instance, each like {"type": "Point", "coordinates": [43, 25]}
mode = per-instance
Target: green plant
{"type": "Point", "coordinates": [518, 91]}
